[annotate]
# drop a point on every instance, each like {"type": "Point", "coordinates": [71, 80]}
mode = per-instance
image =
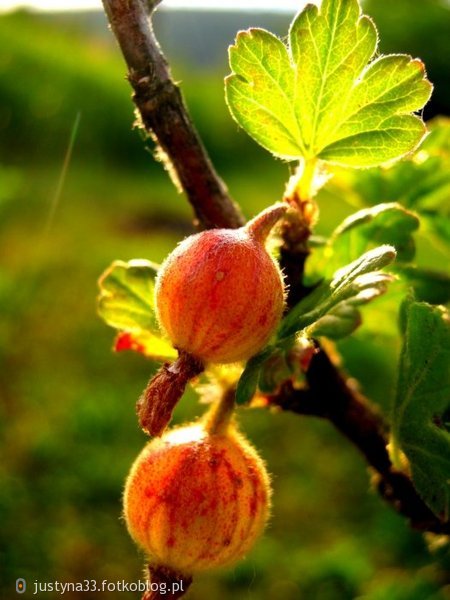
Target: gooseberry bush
{"type": "Point", "coordinates": [252, 312]}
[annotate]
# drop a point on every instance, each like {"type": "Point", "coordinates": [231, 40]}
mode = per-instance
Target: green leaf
{"type": "Point", "coordinates": [248, 382]}
{"type": "Point", "coordinates": [338, 322]}
{"type": "Point", "coordinates": [320, 96]}
{"type": "Point", "coordinates": [275, 370]}
{"type": "Point", "coordinates": [439, 225]}
{"type": "Point", "coordinates": [421, 185]}
{"type": "Point", "coordinates": [437, 143]}
{"type": "Point", "coordinates": [422, 405]}
{"type": "Point", "coordinates": [330, 310]}
{"type": "Point", "coordinates": [351, 277]}
{"type": "Point", "coordinates": [387, 223]}
{"type": "Point", "coordinates": [353, 285]}
{"type": "Point", "coordinates": [429, 286]}
{"type": "Point", "coordinates": [126, 295]}
{"type": "Point", "coordinates": [126, 303]}
{"type": "Point", "coordinates": [420, 182]}
{"type": "Point", "coordinates": [260, 93]}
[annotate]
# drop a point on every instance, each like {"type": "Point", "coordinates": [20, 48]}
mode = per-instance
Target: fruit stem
{"type": "Point", "coordinates": [259, 227]}
{"type": "Point", "coordinates": [163, 579]}
{"type": "Point", "coordinates": [218, 417]}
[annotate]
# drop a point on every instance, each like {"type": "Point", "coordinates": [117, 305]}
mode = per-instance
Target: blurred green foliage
{"type": "Point", "coordinates": [421, 29]}
{"type": "Point", "coordinates": [67, 423]}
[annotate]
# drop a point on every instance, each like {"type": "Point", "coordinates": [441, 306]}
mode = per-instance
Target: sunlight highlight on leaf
{"type": "Point", "coordinates": [126, 302]}
{"type": "Point", "coordinates": [353, 285]}
{"type": "Point", "coordinates": [320, 96]}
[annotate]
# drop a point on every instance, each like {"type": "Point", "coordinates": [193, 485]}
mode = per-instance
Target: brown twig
{"type": "Point", "coordinates": [164, 115]}
{"type": "Point", "coordinates": [330, 396]}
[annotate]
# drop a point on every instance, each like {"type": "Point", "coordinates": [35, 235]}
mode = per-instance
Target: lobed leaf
{"type": "Point", "coordinates": [320, 96]}
{"type": "Point", "coordinates": [126, 303]}
{"type": "Point", "coordinates": [421, 410]}
{"type": "Point", "coordinates": [260, 93]}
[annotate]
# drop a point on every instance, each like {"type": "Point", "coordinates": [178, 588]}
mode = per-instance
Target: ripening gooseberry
{"type": "Point", "coordinates": [197, 497]}
{"type": "Point", "coordinates": [219, 294]}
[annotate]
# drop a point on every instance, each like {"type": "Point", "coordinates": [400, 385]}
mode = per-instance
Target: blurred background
{"type": "Point", "coordinates": [67, 422]}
